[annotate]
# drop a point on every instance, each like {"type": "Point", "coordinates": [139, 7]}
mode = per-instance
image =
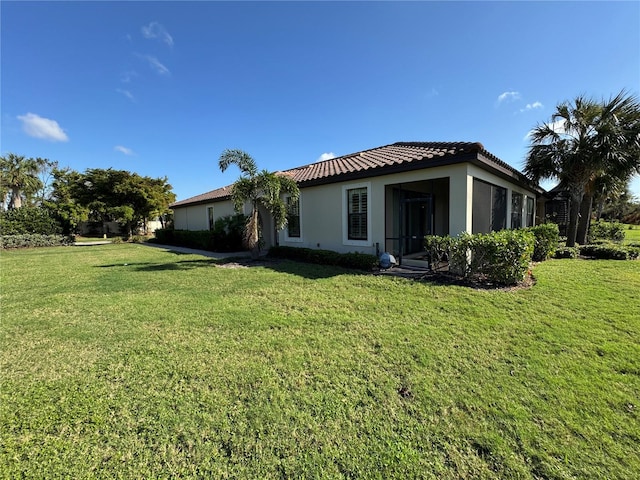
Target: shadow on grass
{"type": "Point", "coordinates": [306, 270]}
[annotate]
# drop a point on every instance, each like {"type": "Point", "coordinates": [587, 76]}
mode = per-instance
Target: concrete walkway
{"type": "Point", "coordinates": [89, 244]}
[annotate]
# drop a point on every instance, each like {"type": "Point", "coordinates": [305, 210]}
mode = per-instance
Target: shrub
{"type": "Point", "coordinates": [605, 252]}
{"type": "Point", "coordinates": [137, 239]}
{"type": "Point", "coordinates": [501, 257]}
{"type": "Point", "coordinates": [226, 236]}
{"type": "Point", "coordinates": [28, 220]}
{"type": "Point", "coordinates": [438, 249]}
{"type": "Point", "coordinates": [200, 239]}
{"type": "Point", "coordinates": [355, 260]}
{"type": "Point", "coordinates": [546, 236]}
{"type": "Point", "coordinates": [566, 252]}
{"type": "Point", "coordinates": [29, 240]}
{"type": "Point", "coordinates": [612, 231]}
{"type": "Point", "coordinates": [228, 232]}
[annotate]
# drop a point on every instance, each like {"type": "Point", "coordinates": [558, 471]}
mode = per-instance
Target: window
{"type": "Point", "coordinates": [357, 213]}
{"type": "Point", "coordinates": [293, 218]}
{"type": "Point", "coordinates": [516, 210]}
{"type": "Point", "coordinates": [210, 217]}
{"type": "Point", "coordinates": [531, 210]}
{"type": "Point", "coordinates": [489, 207]}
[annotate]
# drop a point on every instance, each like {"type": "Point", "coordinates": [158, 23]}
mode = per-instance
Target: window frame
{"type": "Point", "coordinates": [530, 217]}
{"type": "Point", "coordinates": [211, 219]}
{"type": "Point", "coordinates": [518, 213]}
{"type": "Point", "coordinates": [359, 242]}
{"type": "Point", "coordinates": [287, 237]}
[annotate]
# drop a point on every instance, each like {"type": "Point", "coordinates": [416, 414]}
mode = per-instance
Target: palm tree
{"type": "Point", "coordinates": [262, 188]}
{"type": "Point", "coordinates": [19, 176]}
{"type": "Point", "coordinates": [586, 140]}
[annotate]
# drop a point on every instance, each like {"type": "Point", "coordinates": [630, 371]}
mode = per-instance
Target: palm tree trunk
{"type": "Point", "coordinates": [251, 234]}
{"type": "Point", "coordinates": [600, 208]}
{"type": "Point", "coordinates": [16, 200]}
{"type": "Point", "coordinates": [574, 213]}
{"type": "Point", "coordinates": [585, 219]}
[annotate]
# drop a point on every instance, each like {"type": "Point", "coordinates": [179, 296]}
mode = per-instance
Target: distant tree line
{"type": "Point", "coordinates": [71, 197]}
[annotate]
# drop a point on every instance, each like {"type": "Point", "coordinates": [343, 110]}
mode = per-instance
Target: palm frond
{"type": "Point", "coordinates": [241, 159]}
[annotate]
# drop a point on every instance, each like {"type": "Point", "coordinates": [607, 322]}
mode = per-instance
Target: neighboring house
{"type": "Point", "coordinates": [388, 198]}
{"type": "Point", "coordinates": [556, 207]}
{"type": "Point", "coordinates": [114, 228]}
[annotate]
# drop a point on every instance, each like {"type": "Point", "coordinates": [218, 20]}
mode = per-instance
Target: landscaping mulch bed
{"type": "Point", "coordinates": [445, 278]}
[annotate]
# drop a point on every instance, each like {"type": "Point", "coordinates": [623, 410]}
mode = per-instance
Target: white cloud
{"type": "Point", "coordinates": [127, 94]}
{"type": "Point", "coordinates": [45, 128]}
{"type": "Point", "coordinates": [531, 106]}
{"type": "Point", "coordinates": [125, 150]}
{"type": "Point", "coordinates": [126, 77]}
{"type": "Point", "coordinates": [508, 96]}
{"type": "Point", "coordinates": [156, 30]}
{"type": "Point", "coordinates": [156, 65]}
{"type": "Point", "coordinates": [557, 127]}
{"type": "Point", "coordinates": [326, 156]}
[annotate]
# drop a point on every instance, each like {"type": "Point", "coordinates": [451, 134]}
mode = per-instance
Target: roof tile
{"type": "Point", "coordinates": [375, 158]}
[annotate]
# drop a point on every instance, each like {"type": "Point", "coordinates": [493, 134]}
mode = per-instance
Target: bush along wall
{"type": "Point", "coordinates": [358, 261]}
{"type": "Point", "coordinates": [500, 257]}
{"type": "Point", "coordinates": [226, 236]}
{"type": "Point", "coordinates": [547, 237]}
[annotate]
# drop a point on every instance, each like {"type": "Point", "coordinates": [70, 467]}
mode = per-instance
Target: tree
{"type": "Point", "coordinates": [262, 188]}
{"type": "Point", "coordinates": [119, 195]}
{"type": "Point", "coordinates": [584, 141]}
{"type": "Point", "coordinates": [62, 201]}
{"type": "Point", "coordinates": [19, 178]}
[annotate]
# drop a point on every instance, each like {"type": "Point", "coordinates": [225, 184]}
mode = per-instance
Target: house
{"type": "Point", "coordinates": [388, 198]}
{"type": "Point", "coordinates": [556, 207]}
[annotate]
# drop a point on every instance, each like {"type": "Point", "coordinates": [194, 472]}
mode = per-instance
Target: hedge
{"type": "Point", "coordinates": [566, 252]}
{"type": "Point", "coordinates": [610, 252]}
{"type": "Point", "coordinates": [226, 236]}
{"type": "Point", "coordinates": [28, 220]}
{"type": "Point", "coordinates": [610, 231]}
{"type": "Point", "coordinates": [355, 260]}
{"type": "Point", "coordinates": [500, 257]}
{"type": "Point", "coordinates": [547, 237]}
{"type": "Point", "coordinates": [28, 240]}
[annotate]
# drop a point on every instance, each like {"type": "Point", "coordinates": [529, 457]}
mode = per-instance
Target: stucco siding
{"type": "Point", "coordinates": [322, 209]}
{"type": "Point", "coordinates": [195, 217]}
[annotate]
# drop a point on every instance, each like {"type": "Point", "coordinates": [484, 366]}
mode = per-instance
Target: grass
{"type": "Point", "coordinates": [125, 361]}
{"type": "Point", "coordinates": [631, 233]}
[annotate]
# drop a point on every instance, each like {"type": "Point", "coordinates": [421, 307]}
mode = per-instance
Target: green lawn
{"type": "Point", "coordinates": [125, 361]}
{"type": "Point", "coordinates": [632, 233]}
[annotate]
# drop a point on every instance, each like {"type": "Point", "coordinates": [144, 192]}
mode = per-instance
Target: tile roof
{"type": "Point", "coordinates": [217, 194]}
{"type": "Point", "coordinates": [401, 153]}
{"type": "Point", "coordinates": [399, 156]}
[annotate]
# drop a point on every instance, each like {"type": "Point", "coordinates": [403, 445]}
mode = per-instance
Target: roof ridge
{"type": "Point", "coordinates": [391, 157]}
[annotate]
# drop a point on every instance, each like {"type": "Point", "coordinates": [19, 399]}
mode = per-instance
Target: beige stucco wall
{"type": "Point", "coordinates": [323, 222]}
{"type": "Point", "coordinates": [322, 217]}
{"type": "Point", "coordinates": [196, 218]}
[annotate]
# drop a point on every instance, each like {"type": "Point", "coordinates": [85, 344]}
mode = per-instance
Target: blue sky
{"type": "Point", "coordinates": [162, 88]}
